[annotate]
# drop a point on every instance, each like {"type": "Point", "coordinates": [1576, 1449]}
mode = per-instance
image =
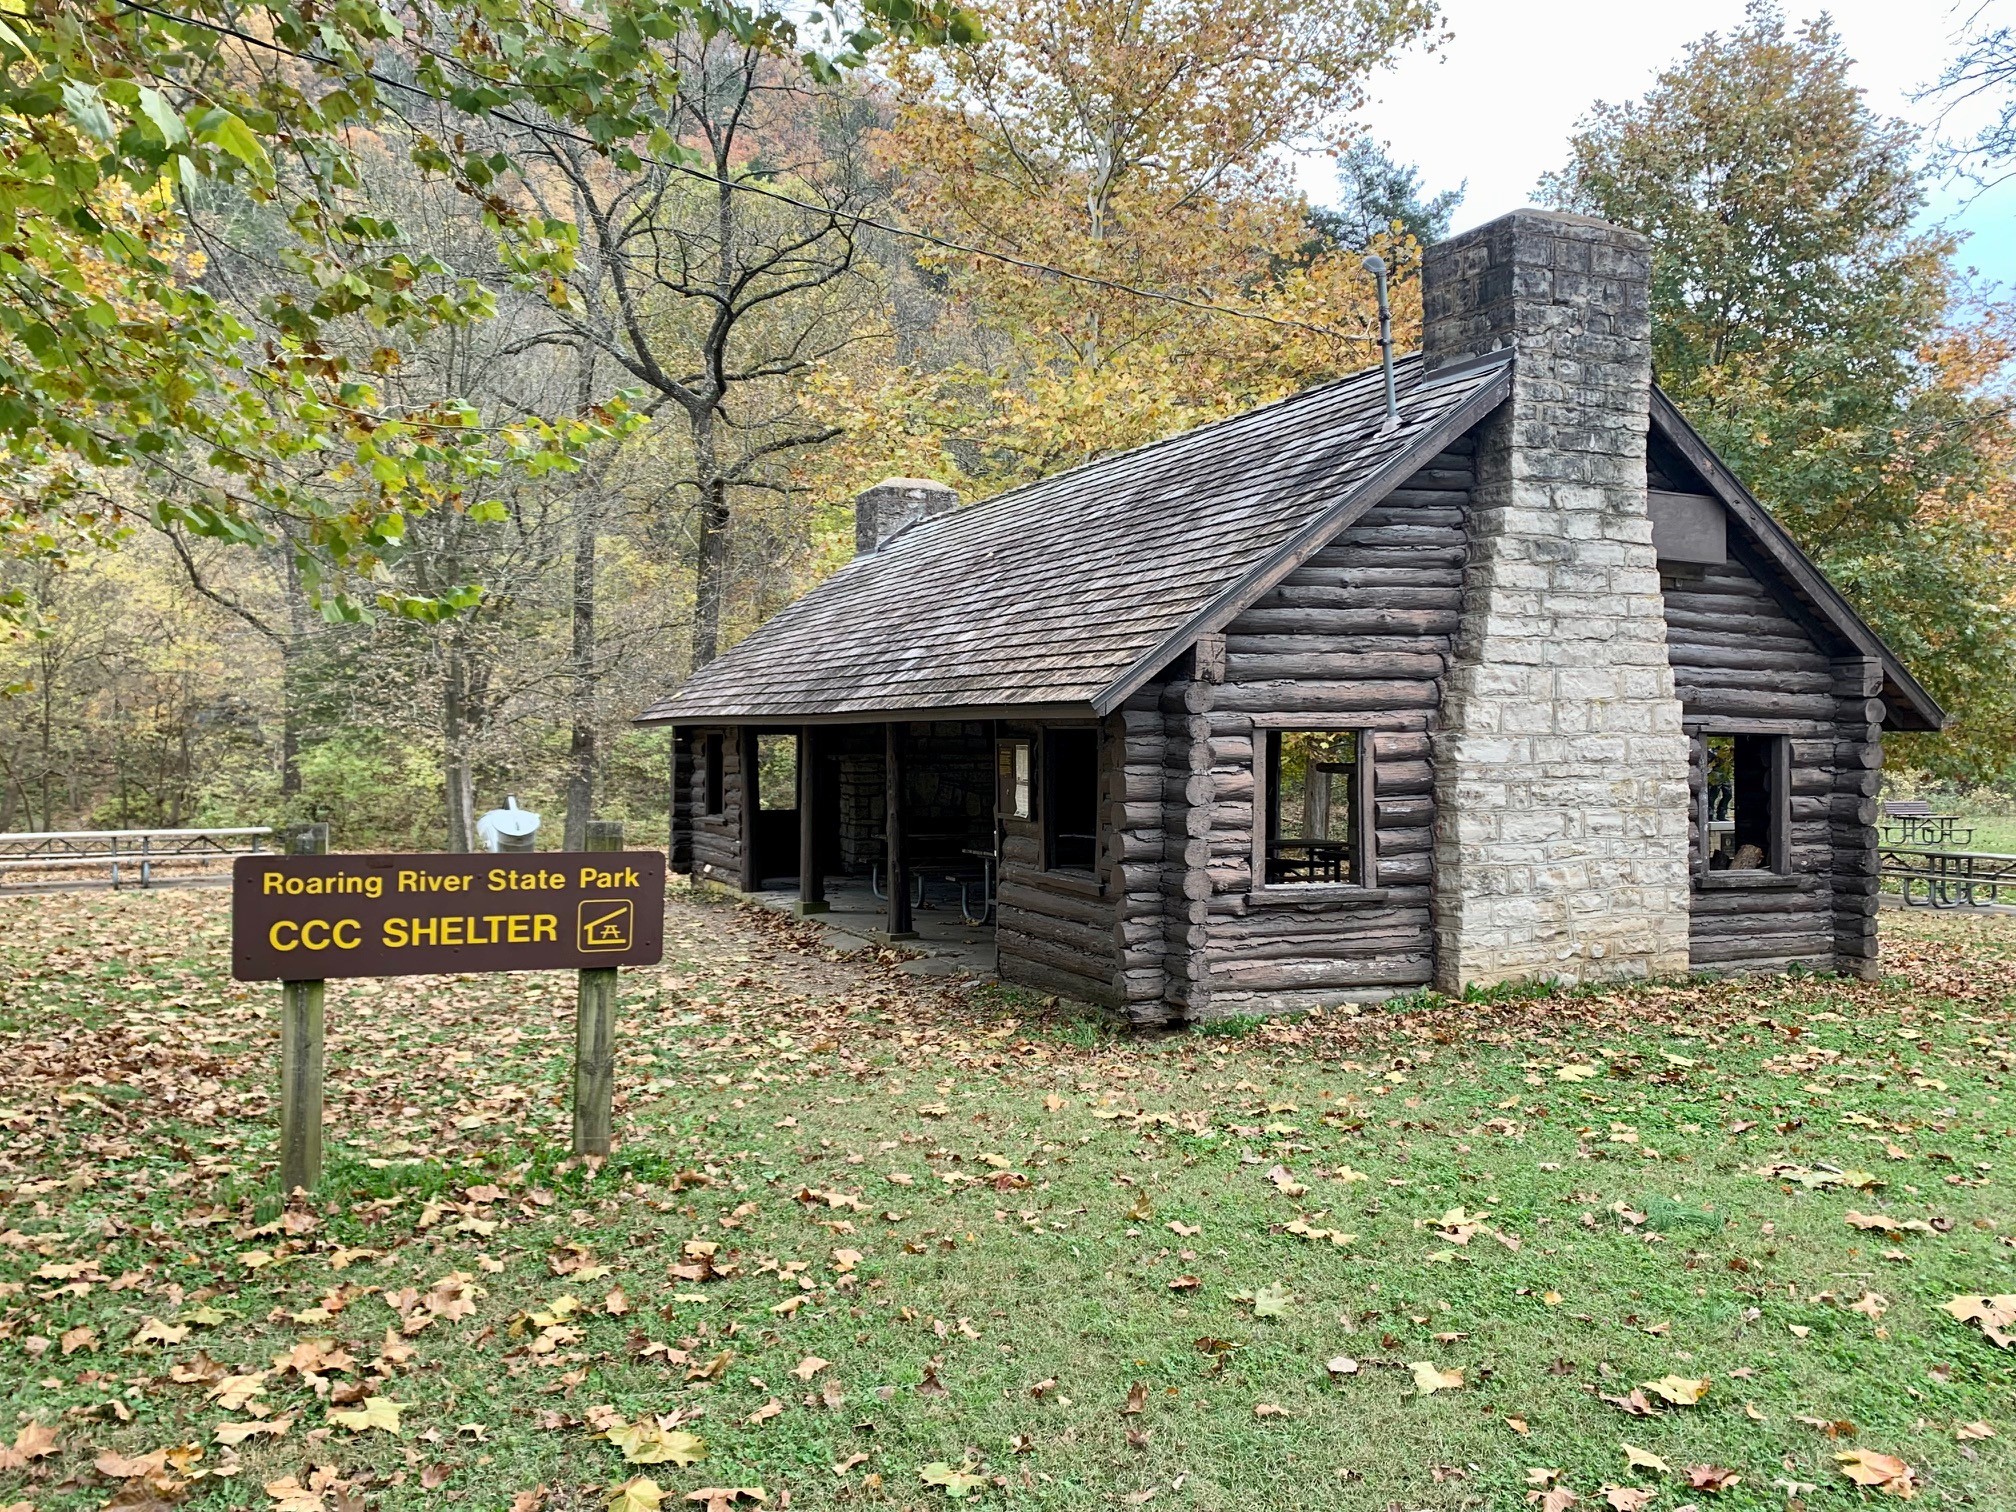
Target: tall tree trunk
{"type": "Point", "coordinates": [48, 744]}
{"type": "Point", "coordinates": [581, 746]}
{"type": "Point", "coordinates": [710, 585]}
{"type": "Point", "coordinates": [581, 743]}
{"type": "Point", "coordinates": [455, 727]}
{"type": "Point", "coordinates": [293, 666]}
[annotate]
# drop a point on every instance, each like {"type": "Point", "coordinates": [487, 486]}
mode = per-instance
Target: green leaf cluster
{"type": "Point", "coordinates": [126, 384]}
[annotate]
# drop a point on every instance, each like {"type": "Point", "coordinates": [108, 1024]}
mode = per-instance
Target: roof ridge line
{"type": "Point", "coordinates": [923, 527]}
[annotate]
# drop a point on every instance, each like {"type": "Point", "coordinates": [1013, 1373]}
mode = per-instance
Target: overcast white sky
{"type": "Point", "coordinates": [1494, 106]}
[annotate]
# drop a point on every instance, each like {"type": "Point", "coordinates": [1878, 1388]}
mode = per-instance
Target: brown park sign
{"type": "Point", "coordinates": [307, 918]}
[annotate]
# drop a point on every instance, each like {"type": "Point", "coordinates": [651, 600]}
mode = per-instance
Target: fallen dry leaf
{"type": "Point", "coordinates": [1994, 1315]}
{"type": "Point", "coordinates": [1428, 1378]}
{"type": "Point", "coordinates": [1884, 1473]}
{"type": "Point", "coordinates": [1711, 1477]}
{"type": "Point", "coordinates": [1681, 1391]}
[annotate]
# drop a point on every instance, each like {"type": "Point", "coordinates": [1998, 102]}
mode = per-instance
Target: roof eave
{"type": "Point", "coordinates": [1910, 706]}
{"type": "Point", "coordinates": [1065, 709]}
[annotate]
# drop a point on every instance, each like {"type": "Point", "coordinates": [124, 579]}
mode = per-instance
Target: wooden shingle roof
{"type": "Point", "coordinates": [1070, 592]}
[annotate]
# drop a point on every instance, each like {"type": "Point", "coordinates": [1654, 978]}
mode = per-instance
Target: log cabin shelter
{"type": "Point", "coordinates": [1325, 703]}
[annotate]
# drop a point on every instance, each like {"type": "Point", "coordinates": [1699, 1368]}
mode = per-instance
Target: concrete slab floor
{"type": "Point", "coordinates": [945, 945]}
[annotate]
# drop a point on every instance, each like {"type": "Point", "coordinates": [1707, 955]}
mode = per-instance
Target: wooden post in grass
{"type": "Point", "coordinates": [595, 1031]}
{"type": "Point", "coordinates": [301, 1054]}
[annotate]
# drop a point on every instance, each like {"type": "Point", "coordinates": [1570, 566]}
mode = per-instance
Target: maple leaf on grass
{"type": "Point", "coordinates": [953, 1482]}
{"type": "Point", "coordinates": [381, 1413]}
{"type": "Point", "coordinates": [639, 1495]}
{"type": "Point", "coordinates": [1994, 1315]}
{"type": "Point", "coordinates": [725, 1498]}
{"type": "Point", "coordinates": [121, 1467]}
{"type": "Point", "coordinates": [1428, 1378]}
{"type": "Point", "coordinates": [1271, 1300]}
{"type": "Point", "coordinates": [1628, 1498]}
{"type": "Point", "coordinates": [35, 1441]}
{"type": "Point", "coordinates": [238, 1433]}
{"type": "Point", "coordinates": [1711, 1477]}
{"type": "Point", "coordinates": [1681, 1391]}
{"type": "Point", "coordinates": [1645, 1459]}
{"type": "Point", "coordinates": [1884, 1473]}
{"type": "Point", "coordinates": [645, 1443]}
{"type": "Point", "coordinates": [289, 1495]}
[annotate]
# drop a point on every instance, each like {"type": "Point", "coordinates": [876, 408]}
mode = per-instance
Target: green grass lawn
{"type": "Point", "coordinates": [1994, 832]}
{"type": "Point", "coordinates": [871, 1240]}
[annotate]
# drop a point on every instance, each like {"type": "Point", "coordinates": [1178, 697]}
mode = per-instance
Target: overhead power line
{"type": "Point", "coordinates": [853, 218]}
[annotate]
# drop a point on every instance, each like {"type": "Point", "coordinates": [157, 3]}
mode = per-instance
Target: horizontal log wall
{"type": "Point", "coordinates": [1739, 656]}
{"type": "Point", "coordinates": [1362, 631]}
{"type": "Point", "coordinates": [717, 838]}
{"type": "Point", "coordinates": [1054, 931]}
{"type": "Point", "coordinates": [1858, 769]}
{"type": "Point", "coordinates": [684, 800]}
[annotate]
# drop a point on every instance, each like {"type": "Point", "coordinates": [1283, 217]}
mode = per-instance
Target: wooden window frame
{"type": "Point", "coordinates": [1006, 749]}
{"type": "Point", "coordinates": [713, 775]}
{"type": "Point", "coordinates": [1778, 861]}
{"type": "Point", "coordinates": [1364, 813]}
{"type": "Point", "coordinates": [1045, 772]}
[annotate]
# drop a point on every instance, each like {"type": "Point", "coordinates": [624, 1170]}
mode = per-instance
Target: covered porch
{"type": "Point", "coordinates": [888, 831]}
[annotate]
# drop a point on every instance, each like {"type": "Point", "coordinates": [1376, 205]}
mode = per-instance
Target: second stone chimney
{"type": "Point", "coordinates": [893, 506]}
{"type": "Point", "coordinates": [1561, 828]}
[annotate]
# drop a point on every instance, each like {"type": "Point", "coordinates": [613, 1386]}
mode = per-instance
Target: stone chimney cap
{"type": "Point", "coordinates": [928, 484]}
{"type": "Point", "coordinates": [894, 505]}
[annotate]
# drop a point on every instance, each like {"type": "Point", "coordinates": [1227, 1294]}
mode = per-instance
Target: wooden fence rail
{"type": "Point", "coordinates": [141, 849]}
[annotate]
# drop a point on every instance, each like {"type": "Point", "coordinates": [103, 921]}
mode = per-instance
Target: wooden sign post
{"type": "Point", "coordinates": [301, 1054]}
{"type": "Point", "coordinates": [595, 1031]}
{"type": "Point", "coordinates": [306, 916]}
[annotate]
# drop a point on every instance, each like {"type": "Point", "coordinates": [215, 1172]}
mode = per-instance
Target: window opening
{"type": "Point", "coordinates": [776, 773]}
{"type": "Point", "coordinates": [1745, 811]}
{"type": "Point", "coordinates": [1314, 796]}
{"type": "Point", "coordinates": [1071, 799]}
{"type": "Point", "coordinates": [1016, 769]}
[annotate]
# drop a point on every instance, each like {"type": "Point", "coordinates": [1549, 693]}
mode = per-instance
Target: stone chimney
{"type": "Point", "coordinates": [893, 506]}
{"type": "Point", "coordinates": [1561, 831]}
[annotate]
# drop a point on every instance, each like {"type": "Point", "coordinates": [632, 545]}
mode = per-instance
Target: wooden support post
{"type": "Point", "coordinates": [899, 921]}
{"type": "Point", "coordinates": [301, 1054]}
{"type": "Point", "coordinates": [811, 881]}
{"type": "Point", "coordinates": [748, 744]}
{"type": "Point", "coordinates": [595, 1031]}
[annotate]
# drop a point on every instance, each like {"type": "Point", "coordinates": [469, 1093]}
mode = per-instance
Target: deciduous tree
{"type": "Point", "coordinates": [1826, 345]}
{"type": "Point", "coordinates": [1084, 135]}
{"type": "Point", "coordinates": [117, 362]}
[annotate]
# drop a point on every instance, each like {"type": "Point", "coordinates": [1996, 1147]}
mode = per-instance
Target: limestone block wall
{"type": "Point", "coordinates": [1561, 769]}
